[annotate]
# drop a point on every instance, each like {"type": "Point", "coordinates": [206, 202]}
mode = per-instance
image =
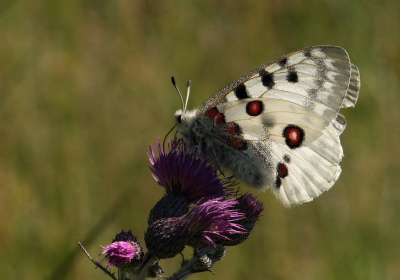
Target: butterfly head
{"type": "Point", "coordinates": [184, 119]}
{"type": "Point", "coordinates": [185, 122]}
{"type": "Point", "coordinates": [178, 117]}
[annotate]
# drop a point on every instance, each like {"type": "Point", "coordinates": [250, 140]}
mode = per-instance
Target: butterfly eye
{"type": "Point", "coordinates": [179, 119]}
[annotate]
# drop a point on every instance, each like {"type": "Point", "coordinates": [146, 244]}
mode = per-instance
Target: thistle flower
{"type": "Point", "coordinates": [251, 208]}
{"type": "Point", "coordinates": [181, 171]}
{"type": "Point", "coordinates": [186, 178]}
{"type": "Point", "coordinates": [169, 206]}
{"type": "Point", "coordinates": [207, 223]}
{"type": "Point", "coordinates": [165, 238]}
{"type": "Point", "coordinates": [121, 252]}
{"type": "Point", "coordinates": [212, 221]}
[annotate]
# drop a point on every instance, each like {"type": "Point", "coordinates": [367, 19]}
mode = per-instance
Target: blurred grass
{"type": "Point", "coordinates": [85, 89]}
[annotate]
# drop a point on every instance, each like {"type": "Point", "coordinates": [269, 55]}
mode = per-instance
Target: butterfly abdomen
{"type": "Point", "coordinates": [246, 168]}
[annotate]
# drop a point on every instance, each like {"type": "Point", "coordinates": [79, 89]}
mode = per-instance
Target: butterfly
{"type": "Point", "coordinates": [278, 126]}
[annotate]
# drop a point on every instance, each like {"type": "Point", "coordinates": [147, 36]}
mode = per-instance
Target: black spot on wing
{"type": "Point", "coordinates": [286, 158]}
{"type": "Point", "coordinates": [241, 92]}
{"type": "Point", "coordinates": [267, 79]}
{"type": "Point", "coordinates": [283, 62]}
{"type": "Point", "coordinates": [307, 53]}
{"type": "Point", "coordinates": [278, 182]}
{"type": "Point", "coordinates": [292, 77]}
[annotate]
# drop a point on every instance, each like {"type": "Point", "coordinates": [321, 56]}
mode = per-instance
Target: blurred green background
{"type": "Point", "coordinates": [85, 88]}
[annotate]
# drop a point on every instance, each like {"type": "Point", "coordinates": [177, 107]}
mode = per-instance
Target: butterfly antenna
{"type": "Point", "coordinates": [177, 89]}
{"type": "Point", "coordinates": [189, 85]}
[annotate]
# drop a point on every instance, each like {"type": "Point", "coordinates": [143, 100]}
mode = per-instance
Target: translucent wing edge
{"type": "Point", "coordinates": [353, 90]}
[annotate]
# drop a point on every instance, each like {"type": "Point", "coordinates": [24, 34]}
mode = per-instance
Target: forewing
{"type": "Point", "coordinates": [283, 117]}
{"type": "Point", "coordinates": [308, 77]}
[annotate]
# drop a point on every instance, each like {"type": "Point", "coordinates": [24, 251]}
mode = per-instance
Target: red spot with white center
{"type": "Point", "coordinates": [282, 170]}
{"type": "Point", "coordinates": [294, 136]}
{"type": "Point", "coordinates": [254, 108]}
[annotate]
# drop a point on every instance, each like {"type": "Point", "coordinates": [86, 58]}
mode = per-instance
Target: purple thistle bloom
{"type": "Point", "coordinates": [205, 224]}
{"type": "Point", "coordinates": [121, 252]}
{"type": "Point", "coordinates": [249, 205]}
{"type": "Point", "coordinates": [128, 236]}
{"type": "Point", "coordinates": [252, 209]}
{"type": "Point", "coordinates": [212, 221]}
{"type": "Point", "coordinates": [182, 171]}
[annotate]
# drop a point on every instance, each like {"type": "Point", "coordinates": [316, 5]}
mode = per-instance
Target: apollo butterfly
{"type": "Point", "coordinates": [278, 126]}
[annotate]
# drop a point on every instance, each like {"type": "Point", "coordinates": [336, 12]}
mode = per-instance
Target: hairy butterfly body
{"type": "Point", "coordinates": [278, 126]}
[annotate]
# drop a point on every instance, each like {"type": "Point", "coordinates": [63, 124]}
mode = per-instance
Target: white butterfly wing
{"type": "Point", "coordinates": [279, 125]}
{"type": "Point", "coordinates": [320, 74]}
{"type": "Point", "coordinates": [311, 169]}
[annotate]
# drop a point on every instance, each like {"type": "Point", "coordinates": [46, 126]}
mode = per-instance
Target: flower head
{"type": "Point", "coordinates": [165, 238]}
{"type": "Point", "coordinates": [212, 221]}
{"type": "Point", "coordinates": [181, 170]}
{"type": "Point", "coordinates": [186, 177]}
{"type": "Point", "coordinates": [205, 225]}
{"type": "Point", "coordinates": [170, 206]}
{"type": "Point", "coordinates": [251, 208]}
{"type": "Point", "coordinates": [121, 252]}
